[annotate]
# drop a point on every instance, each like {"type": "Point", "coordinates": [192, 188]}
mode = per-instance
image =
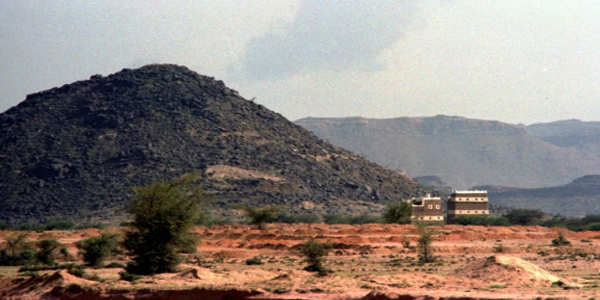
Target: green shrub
{"type": "Point", "coordinates": [298, 219]}
{"type": "Point", "coordinates": [47, 251]}
{"type": "Point", "coordinates": [314, 253]}
{"type": "Point", "coordinates": [524, 216]}
{"type": "Point", "coordinates": [115, 265]}
{"type": "Point", "coordinates": [593, 227]}
{"type": "Point", "coordinates": [254, 261]}
{"type": "Point", "coordinates": [76, 270]}
{"type": "Point", "coordinates": [260, 216]}
{"type": "Point", "coordinates": [163, 213]}
{"type": "Point", "coordinates": [124, 275]}
{"type": "Point", "coordinates": [398, 213]}
{"type": "Point", "coordinates": [424, 242]}
{"type": "Point", "coordinates": [59, 225]}
{"type": "Point", "coordinates": [95, 250]}
{"type": "Point", "coordinates": [560, 241]}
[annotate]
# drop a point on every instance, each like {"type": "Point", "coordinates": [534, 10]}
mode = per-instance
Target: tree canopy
{"type": "Point", "coordinates": [163, 212]}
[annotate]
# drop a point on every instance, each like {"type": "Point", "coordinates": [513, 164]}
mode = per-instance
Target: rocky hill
{"type": "Point", "coordinates": [467, 152]}
{"type": "Point", "coordinates": [75, 151]}
{"type": "Point", "coordinates": [578, 198]}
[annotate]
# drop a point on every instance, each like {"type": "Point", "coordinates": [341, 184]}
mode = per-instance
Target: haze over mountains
{"type": "Point", "coordinates": [75, 151]}
{"type": "Point", "coordinates": [467, 152]}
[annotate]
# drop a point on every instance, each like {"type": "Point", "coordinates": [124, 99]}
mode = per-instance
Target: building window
{"type": "Point", "coordinates": [430, 206]}
{"type": "Point", "coordinates": [437, 207]}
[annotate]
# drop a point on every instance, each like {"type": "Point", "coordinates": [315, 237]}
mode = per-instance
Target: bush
{"type": "Point", "coordinates": [483, 220]}
{"type": "Point", "coordinates": [259, 216]}
{"type": "Point", "coordinates": [59, 225]}
{"type": "Point", "coordinates": [124, 275]}
{"type": "Point", "coordinates": [76, 270]}
{"type": "Point", "coordinates": [398, 213]}
{"type": "Point", "coordinates": [524, 216]}
{"type": "Point", "coordinates": [96, 249]}
{"type": "Point", "coordinates": [301, 218]}
{"type": "Point", "coordinates": [313, 253]}
{"type": "Point", "coordinates": [560, 241]}
{"type": "Point", "coordinates": [254, 261]}
{"type": "Point", "coordinates": [47, 251]}
{"type": "Point", "coordinates": [163, 213]}
{"type": "Point", "coordinates": [114, 265]}
{"type": "Point", "coordinates": [424, 242]}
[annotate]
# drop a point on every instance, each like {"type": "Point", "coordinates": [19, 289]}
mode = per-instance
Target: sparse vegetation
{"type": "Point", "coordinates": [524, 216]}
{"type": "Point", "coordinates": [301, 218]}
{"type": "Point", "coordinates": [163, 212]}
{"type": "Point", "coordinates": [398, 213]}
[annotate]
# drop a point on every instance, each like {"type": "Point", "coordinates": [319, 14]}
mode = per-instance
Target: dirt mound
{"type": "Point", "coordinates": [504, 269]}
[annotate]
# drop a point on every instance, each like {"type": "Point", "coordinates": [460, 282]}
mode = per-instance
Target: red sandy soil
{"type": "Point", "coordinates": [368, 262]}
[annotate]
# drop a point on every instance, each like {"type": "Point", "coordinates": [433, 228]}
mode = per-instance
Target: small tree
{"type": "Point", "coordinates": [398, 213]}
{"type": "Point", "coordinates": [47, 251]}
{"type": "Point", "coordinates": [426, 233]}
{"type": "Point", "coordinates": [313, 253]}
{"type": "Point", "coordinates": [96, 249]}
{"type": "Point", "coordinates": [259, 216]}
{"type": "Point", "coordinates": [163, 212]}
{"type": "Point", "coordinates": [17, 251]}
{"type": "Point", "coordinates": [15, 242]}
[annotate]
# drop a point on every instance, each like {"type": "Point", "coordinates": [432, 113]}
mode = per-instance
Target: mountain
{"type": "Point", "coordinates": [583, 136]}
{"type": "Point", "coordinates": [578, 198]}
{"type": "Point", "coordinates": [467, 152]}
{"type": "Point", "coordinates": [76, 151]}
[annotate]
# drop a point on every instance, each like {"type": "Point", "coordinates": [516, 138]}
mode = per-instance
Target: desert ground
{"type": "Point", "coordinates": [370, 261]}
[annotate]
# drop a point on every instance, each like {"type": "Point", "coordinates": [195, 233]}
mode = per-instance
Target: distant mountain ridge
{"type": "Point", "coordinates": [468, 152]}
{"type": "Point", "coordinates": [75, 151]}
{"type": "Point", "coordinates": [577, 198]}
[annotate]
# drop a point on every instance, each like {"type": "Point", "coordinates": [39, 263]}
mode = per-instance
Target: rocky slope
{"type": "Point", "coordinates": [578, 198]}
{"type": "Point", "coordinates": [467, 152]}
{"type": "Point", "coordinates": [75, 151]}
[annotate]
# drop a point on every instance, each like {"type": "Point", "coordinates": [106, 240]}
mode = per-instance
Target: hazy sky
{"type": "Point", "coordinates": [514, 61]}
